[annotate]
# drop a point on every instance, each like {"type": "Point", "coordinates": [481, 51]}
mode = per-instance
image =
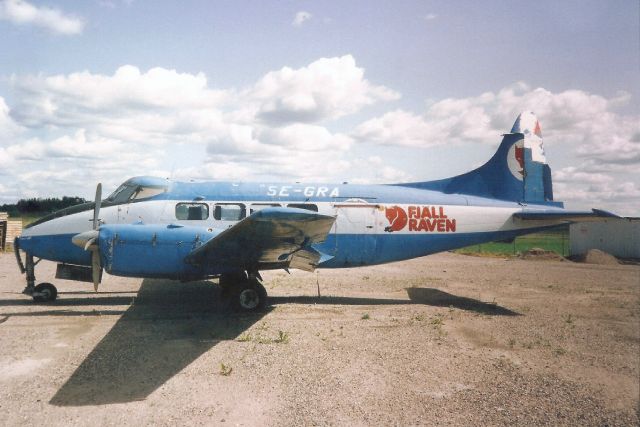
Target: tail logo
{"type": "Point", "coordinates": [515, 159]}
{"type": "Point", "coordinates": [397, 218]}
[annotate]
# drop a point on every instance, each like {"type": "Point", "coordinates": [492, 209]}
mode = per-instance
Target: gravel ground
{"type": "Point", "coordinates": [442, 340]}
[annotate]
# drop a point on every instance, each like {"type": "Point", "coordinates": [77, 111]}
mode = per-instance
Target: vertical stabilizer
{"type": "Point", "coordinates": [518, 171]}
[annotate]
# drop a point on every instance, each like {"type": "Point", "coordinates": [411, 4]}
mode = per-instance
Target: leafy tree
{"type": "Point", "coordinates": [40, 206]}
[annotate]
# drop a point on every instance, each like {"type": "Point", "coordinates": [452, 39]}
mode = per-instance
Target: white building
{"type": "Point", "coordinates": [618, 237]}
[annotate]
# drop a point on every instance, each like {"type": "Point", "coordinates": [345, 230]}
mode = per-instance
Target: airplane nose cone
{"type": "Point", "coordinates": [84, 239]}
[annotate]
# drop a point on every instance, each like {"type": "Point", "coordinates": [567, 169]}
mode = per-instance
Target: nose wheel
{"type": "Point", "coordinates": [44, 292]}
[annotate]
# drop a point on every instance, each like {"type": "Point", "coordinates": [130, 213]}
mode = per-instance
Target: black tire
{"type": "Point", "coordinates": [250, 297]}
{"type": "Point", "coordinates": [45, 292]}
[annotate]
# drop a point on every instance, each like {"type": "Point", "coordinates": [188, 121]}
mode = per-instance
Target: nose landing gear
{"type": "Point", "coordinates": [44, 292]}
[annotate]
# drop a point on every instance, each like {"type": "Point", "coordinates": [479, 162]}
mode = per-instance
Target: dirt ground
{"type": "Point", "coordinates": [442, 340]}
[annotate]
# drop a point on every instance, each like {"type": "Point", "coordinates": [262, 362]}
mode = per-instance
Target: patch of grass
{"type": "Point", "coordinates": [559, 351]}
{"type": "Point", "coordinates": [225, 370]}
{"type": "Point", "coordinates": [365, 316]}
{"type": "Point", "coordinates": [263, 340]}
{"type": "Point", "coordinates": [244, 337]}
{"type": "Point", "coordinates": [419, 317]}
{"type": "Point", "coordinates": [437, 321]}
{"type": "Point", "coordinates": [568, 319]}
{"type": "Point", "coordinates": [556, 241]}
{"type": "Point", "coordinates": [283, 338]}
{"type": "Point", "coordinates": [512, 342]}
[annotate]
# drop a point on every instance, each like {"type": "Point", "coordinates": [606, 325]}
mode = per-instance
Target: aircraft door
{"type": "Point", "coordinates": [356, 229]}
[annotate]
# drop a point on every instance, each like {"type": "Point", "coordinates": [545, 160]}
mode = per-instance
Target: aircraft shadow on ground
{"type": "Point", "coordinates": [168, 326]}
{"type": "Point", "coordinates": [438, 298]}
{"type": "Point", "coordinates": [422, 296]}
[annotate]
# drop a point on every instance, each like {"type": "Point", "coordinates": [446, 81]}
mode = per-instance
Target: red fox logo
{"type": "Point", "coordinates": [520, 158]}
{"type": "Point", "coordinates": [397, 218]}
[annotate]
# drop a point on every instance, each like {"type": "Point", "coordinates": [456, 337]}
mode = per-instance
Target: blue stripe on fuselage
{"type": "Point", "coordinates": [348, 250]}
{"type": "Point", "coordinates": [351, 250]}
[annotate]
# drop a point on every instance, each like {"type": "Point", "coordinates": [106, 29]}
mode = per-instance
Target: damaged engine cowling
{"type": "Point", "coordinates": [152, 250]}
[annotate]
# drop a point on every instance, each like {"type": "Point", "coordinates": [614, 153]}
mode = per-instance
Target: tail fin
{"type": "Point", "coordinates": [517, 172]}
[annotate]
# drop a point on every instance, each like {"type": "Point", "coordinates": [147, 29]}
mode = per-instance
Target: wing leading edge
{"type": "Point", "coordinates": [269, 238]}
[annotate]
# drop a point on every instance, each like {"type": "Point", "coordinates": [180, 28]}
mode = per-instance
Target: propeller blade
{"type": "Point", "coordinates": [89, 243]}
{"type": "Point", "coordinates": [96, 269]}
{"type": "Point", "coordinates": [96, 209]}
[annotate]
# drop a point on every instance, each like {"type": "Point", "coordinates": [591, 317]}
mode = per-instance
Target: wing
{"type": "Point", "coordinates": [570, 216]}
{"type": "Point", "coordinates": [270, 238]}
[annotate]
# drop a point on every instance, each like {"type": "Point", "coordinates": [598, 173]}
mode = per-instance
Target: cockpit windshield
{"type": "Point", "coordinates": [132, 190]}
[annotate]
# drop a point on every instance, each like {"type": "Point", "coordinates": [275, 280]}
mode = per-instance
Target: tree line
{"type": "Point", "coordinates": [38, 206]}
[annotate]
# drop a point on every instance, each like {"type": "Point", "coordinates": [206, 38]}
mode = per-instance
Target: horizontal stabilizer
{"type": "Point", "coordinates": [552, 214]}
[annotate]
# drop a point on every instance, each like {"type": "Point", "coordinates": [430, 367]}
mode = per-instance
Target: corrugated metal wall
{"type": "Point", "coordinates": [618, 237]}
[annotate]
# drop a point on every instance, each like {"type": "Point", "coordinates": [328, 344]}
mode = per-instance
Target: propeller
{"type": "Point", "coordinates": [88, 240]}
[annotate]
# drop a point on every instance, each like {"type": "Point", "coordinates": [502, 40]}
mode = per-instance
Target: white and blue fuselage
{"type": "Point", "coordinates": [374, 223]}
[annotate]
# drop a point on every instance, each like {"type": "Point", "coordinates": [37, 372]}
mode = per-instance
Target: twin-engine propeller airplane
{"type": "Point", "coordinates": [157, 228]}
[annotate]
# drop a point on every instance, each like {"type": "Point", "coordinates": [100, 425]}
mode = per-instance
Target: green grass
{"type": "Point", "coordinates": [556, 241]}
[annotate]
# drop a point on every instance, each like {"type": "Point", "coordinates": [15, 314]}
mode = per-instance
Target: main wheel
{"type": "Point", "coordinates": [250, 296]}
{"type": "Point", "coordinates": [45, 292]}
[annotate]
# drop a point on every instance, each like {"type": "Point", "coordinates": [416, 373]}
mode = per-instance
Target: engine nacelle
{"type": "Point", "coordinates": [152, 250]}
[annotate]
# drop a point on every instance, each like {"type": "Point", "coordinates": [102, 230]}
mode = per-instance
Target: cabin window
{"type": "Point", "coordinates": [229, 211]}
{"type": "Point", "coordinates": [128, 192]}
{"type": "Point", "coordinates": [192, 211]}
{"type": "Point", "coordinates": [259, 206]}
{"type": "Point", "coordinates": [122, 193]}
{"type": "Point", "coordinates": [307, 206]}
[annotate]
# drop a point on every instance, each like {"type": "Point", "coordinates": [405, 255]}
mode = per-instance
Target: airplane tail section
{"type": "Point", "coordinates": [518, 171]}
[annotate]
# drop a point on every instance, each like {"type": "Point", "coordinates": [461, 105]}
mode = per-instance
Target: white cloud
{"type": "Point", "coordinates": [84, 97]}
{"type": "Point", "coordinates": [119, 125]}
{"type": "Point", "coordinates": [573, 116]}
{"type": "Point", "coordinates": [582, 189]}
{"type": "Point", "coordinates": [328, 88]}
{"type": "Point", "coordinates": [379, 172]}
{"type": "Point", "coordinates": [430, 16]}
{"type": "Point", "coordinates": [300, 18]}
{"type": "Point", "coordinates": [20, 12]}
{"type": "Point", "coordinates": [8, 127]}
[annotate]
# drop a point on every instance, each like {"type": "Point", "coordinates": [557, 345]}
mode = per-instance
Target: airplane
{"type": "Point", "coordinates": [159, 228]}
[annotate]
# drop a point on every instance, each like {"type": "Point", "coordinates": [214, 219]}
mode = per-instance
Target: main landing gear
{"type": "Point", "coordinates": [44, 292]}
{"type": "Point", "coordinates": [246, 292]}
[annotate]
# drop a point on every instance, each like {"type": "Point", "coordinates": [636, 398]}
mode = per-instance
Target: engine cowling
{"type": "Point", "coordinates": [139, 250]}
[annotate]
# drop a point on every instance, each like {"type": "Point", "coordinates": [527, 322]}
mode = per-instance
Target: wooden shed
{"type": "Point", "coordinates": [9, 230]}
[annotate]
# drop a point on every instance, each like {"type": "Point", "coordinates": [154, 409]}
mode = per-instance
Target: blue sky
{"type": "Point", "coordinates": [357, 91]}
